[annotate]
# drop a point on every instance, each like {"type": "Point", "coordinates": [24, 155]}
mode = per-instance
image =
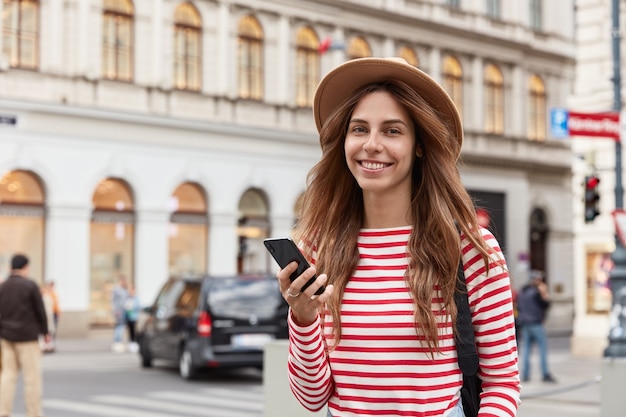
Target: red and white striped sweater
{"type": "Point", "coordinates": [379, 368]}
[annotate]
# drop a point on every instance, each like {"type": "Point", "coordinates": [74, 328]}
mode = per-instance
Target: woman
{"type": "Point", "coordinates": [380, 222]}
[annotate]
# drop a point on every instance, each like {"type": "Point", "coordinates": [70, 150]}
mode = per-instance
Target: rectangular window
{"type": "Point", "coordinates": [20, 33]}
{"type": "Point", "coordinates": [536, 15]}
{"type": "Point", "coordinates": [494, 9]}
{"type": "Point", "coordinates": [117, 50]}
{"type": "Point", "coordinates": [537, 115]}
{"type": "Point", "coordinates": [307, 76]}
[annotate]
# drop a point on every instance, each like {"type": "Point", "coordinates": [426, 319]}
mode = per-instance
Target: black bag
{"type": "Point", "coordinates": [466, 349]}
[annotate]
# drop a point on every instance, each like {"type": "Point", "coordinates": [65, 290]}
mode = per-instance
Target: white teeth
{"type": "Point", "coordinates": [373, 165]}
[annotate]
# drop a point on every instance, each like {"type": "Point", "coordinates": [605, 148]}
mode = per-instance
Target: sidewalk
{"type": "Point", "coordinates": [577, 392]}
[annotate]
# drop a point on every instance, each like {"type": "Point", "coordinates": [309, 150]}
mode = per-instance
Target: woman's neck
{"type": "Point", "coordinates": [383, 213]}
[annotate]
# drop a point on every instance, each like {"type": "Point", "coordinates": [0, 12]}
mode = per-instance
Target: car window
{"type": "Point", "coordinates": [169, 297]}
{"type": "Point", "coordinates": [161, 300]}
{"type": "Point", "coordinates": [239, 297]}
{"type": "Point", "coordinates": [189, 296]}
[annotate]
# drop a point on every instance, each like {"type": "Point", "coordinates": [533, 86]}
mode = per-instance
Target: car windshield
{"type": "Point", "coordinates": [241, 296]}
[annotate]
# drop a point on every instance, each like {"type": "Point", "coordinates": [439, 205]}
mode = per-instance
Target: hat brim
{"type": "Point", "coordinates": [343, 81]}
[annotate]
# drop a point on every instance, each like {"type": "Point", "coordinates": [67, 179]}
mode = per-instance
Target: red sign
{"type": "Point", "coordinates": [605, 125]}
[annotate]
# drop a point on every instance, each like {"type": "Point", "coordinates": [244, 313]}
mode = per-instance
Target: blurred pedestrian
{"type": "Point", "coordinates": [118, 300]}
{"type": "Point", "coordinates": [48, 304]}
{"type": "Point", "coordinates": [56, 308]}
{"type": "Point", "coordinates": [22, 321]}
{"type": "Point", "coordinates": [132, 308]}
{"type": "Point", "coordinates": [533, 302]}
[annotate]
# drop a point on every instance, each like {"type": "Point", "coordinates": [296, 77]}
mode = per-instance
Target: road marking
{"type": "Point", "coordinates": [92, 410]}
{"type": "Point", "coordinates": [211, 398]}
{"type": "Point", "coordinates": [174, 407]}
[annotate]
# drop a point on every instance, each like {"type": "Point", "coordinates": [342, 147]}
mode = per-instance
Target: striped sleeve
{"type": "Point", "coordinates": [309, 372]}
{"type": "Point", "coordinates": [490, 301]}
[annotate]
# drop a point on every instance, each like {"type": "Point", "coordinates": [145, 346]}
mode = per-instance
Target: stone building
{"type": "Point", "coordinates": [153, 137]}
{"type": "Point", "coordinates": [594, 156]}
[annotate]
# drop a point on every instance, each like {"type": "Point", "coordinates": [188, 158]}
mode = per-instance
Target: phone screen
{"type": "Point", "coordinates": [284, 251]}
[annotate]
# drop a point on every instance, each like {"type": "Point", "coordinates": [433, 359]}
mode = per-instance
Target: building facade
{"type": "Point", "coordinates": [595, 156]}
{"type": "Point", "coordinates": [148, 138]}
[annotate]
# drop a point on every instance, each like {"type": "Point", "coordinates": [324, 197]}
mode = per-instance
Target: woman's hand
{"type": "Point", "coordinates": [304, 305]}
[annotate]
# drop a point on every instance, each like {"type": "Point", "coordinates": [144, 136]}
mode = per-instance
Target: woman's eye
{"type": "Point", "coordinates": [394, 131]}
{"type": "Point", "coordinates": [358, 129]}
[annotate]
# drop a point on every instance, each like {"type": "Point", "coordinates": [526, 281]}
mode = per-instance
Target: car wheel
{"type": "Point", "coordinates": [185, 365]}
{"type": "Point", "coordinates": [146, 356]}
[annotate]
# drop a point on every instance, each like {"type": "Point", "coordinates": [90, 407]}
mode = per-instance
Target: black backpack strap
{"type": "Point", "coordinates": [465, 342]}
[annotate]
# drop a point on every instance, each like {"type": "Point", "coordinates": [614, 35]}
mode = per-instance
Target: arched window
{"type": "Point", "coordinates": [20, 33]}
{"type": "Point", "coordinates": [453, 81]}
{"type": "Point", "coordinates": [250, 58]}
{"type": "Point", "coordinates": [537, 109]}
{"type": "Point", "coordinates": [254, 226]}
{"type": "Point", "coordinates": [409, 56]}
{"type": "Point", "coordinates": [112, 240]}
{"type": "Point", "coordinates": [307, 66]}
{"type": "Point", "coordinates": [359, 48]}
{"type": "Point", "coordinates": [494, 100]}
{"type": "Point", "coordinates": [22, 221]}
{"type": "Point", "coordinates": [187, 47]}
{"type": "Point", "coordinates": [188, 235]}
{"type": "Point", "coordinates": [117, 40]}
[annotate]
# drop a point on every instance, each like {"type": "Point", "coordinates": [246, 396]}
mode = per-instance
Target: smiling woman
{"type": "Point", "coordinates": [381, 337]}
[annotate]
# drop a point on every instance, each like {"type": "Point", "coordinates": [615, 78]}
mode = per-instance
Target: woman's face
{"type": "Point", "coordinates": [380, 145]}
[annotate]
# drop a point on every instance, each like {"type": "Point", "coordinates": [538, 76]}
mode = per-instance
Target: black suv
{"type": "Point", "coordinates": [212, 322]}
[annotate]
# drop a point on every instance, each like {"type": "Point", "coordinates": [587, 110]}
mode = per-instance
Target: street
{"type": "Point", "coordinates": [96, 382]}
{"type": "Point", "coordinates": [84, 379]}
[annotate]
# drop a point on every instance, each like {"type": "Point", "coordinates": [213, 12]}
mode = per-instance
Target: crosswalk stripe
{"type": "Point", "coordinates": [176, 408]}
{"type": "Point", "coordinates": [93, 410]}
{"type": "Point", "coordinates": [210, 399]}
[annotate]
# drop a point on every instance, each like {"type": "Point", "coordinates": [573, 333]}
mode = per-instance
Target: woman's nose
{"type": "Point", "coordinates": [372, 143]}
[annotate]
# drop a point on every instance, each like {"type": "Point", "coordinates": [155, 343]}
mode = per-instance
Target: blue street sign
{"type": "Point", "coordinates": [558, 122]}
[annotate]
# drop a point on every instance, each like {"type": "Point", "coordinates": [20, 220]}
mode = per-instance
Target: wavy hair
{"type": "Point", "coordinates": [333, 211]}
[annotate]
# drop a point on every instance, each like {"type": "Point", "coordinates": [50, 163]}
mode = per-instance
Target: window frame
{"type": "Point", "coordinates": [452, 80]}
{"type": "Point", "coordinates": [307, 66]}
{"type": "Point", "coordinates": [187, 62]}
{"type": "Point", "coordinates": [120, 21]}
{"type": "Point", "coordinates": [493, 84]}
{"type": "Point", "coordinates": [15, 36]}
{"type": "Point", "coordinates": [537, 110]}
{"type": "Point", "coordinates": [250, 62]}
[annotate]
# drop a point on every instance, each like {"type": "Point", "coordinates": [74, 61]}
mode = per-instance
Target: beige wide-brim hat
{"type": "Point", "coordinates": [343, 81]}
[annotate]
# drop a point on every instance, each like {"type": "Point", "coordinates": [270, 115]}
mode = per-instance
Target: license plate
{"type": "Point", "coordinates": [257, 340]}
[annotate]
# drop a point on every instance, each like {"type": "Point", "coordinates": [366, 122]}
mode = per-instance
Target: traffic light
{"type": "Point", "coordinates": [592, 198]}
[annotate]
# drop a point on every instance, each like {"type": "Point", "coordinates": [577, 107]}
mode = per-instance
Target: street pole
{"type": "Point", "coordinates": [613, 400]}
{"type": "Point", "coordinates": [617, 333]}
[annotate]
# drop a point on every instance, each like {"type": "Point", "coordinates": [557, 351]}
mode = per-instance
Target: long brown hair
{"type": "Point", "coordinates": [333, 211]}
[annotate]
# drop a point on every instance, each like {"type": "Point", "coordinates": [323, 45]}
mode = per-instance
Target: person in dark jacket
{"type": "Point", "coordinates": [22, 320]}
{"type": "Point", "coordinates": [533, 302]}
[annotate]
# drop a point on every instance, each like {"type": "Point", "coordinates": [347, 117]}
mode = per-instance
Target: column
{"type": "Point", "coordinates": [82, 38]}
{"type": "Point", "coordinates": [281, 73]}
{"type": "Point", "coordinates": [435, 64]}
{"type": "Point", "coordinates": [223, 63]}
{"type": "Point", "coordinates": [54, 37]}
{"type": "Point", "coordinates": [518, 96]}
{"type": "Point", "coordinates": [158, 52]}
{"type": "Point", "coordinates": [223, 243]}
{"type": "Point", "coordinates": [67, 262]}
{"type": "Point", "coordinates": [151, 253]}
{"type": "Point", "coordinates": [477, 118]}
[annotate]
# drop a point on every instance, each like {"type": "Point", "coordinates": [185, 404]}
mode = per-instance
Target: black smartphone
{"type": "Point", "coordinates": [284, 251]}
